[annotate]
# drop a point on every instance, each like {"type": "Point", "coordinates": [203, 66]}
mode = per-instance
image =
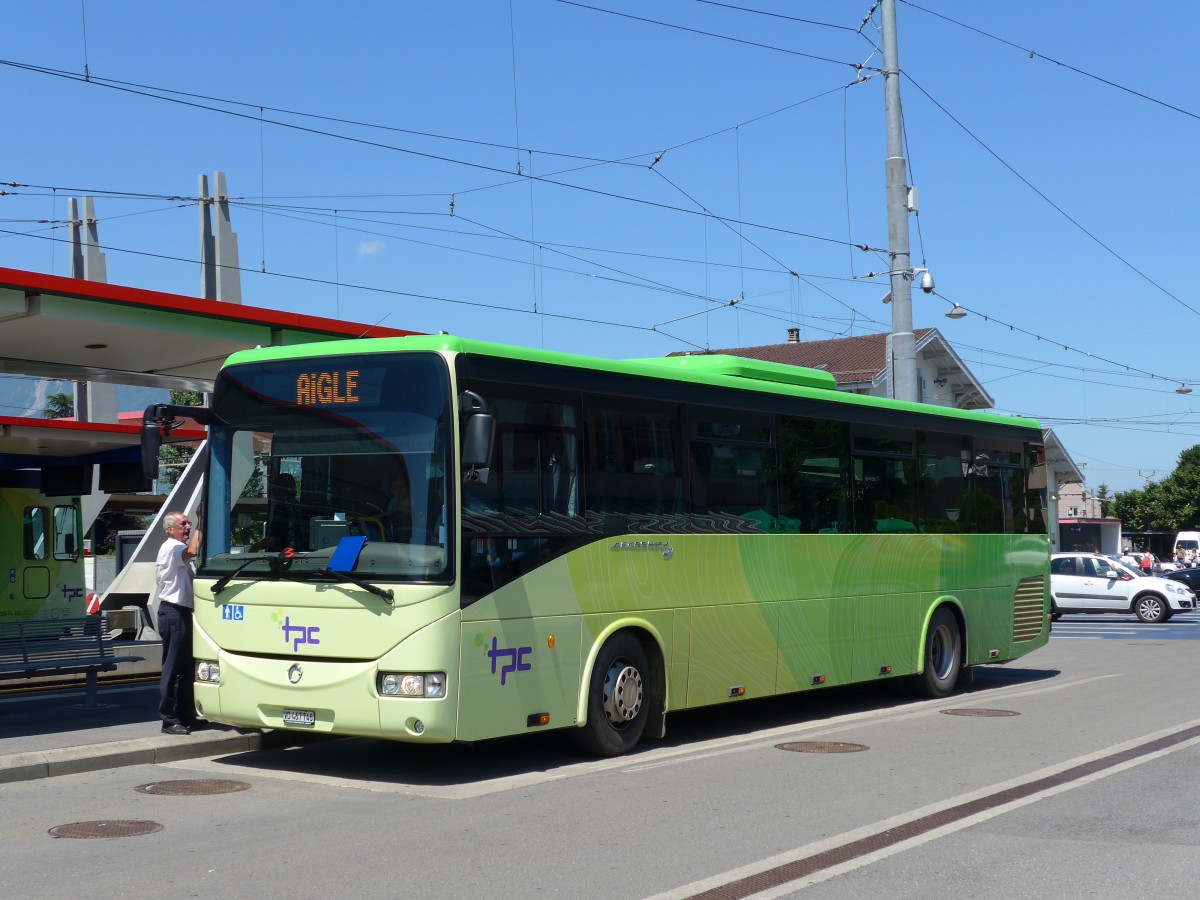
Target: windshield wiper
{"type": "Point", "coordinates": [387, 594]}
{"type": "Point", "coordinates": [277, 563]}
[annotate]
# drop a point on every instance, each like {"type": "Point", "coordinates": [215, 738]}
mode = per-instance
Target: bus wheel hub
{"type": "Point", "coordinates": [622, 693]}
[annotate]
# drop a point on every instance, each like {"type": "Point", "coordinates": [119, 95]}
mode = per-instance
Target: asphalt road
{"type": "Point", "coordinates": [1086, 785]}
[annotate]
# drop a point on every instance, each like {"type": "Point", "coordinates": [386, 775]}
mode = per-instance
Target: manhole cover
{"type": "Point", "coordinates": [980, 713]}
{"type": "Point", "coordinates": [112, 828]}
{"type": "Point", "coordinates": [822, 747]}
{"type": "Point", "coordinates": [195, 787]}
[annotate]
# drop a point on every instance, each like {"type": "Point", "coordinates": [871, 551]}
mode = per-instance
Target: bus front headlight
{"type": "Point", "coordinates": [412, 684]}
{"type": "Point", "coordinates": [209, 672]}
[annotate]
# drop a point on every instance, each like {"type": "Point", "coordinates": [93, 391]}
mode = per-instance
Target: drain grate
{"type": "Point", "coordinates": [822, 747]}
{"type": "Point", "coordinates": [980, 713]}
{"type": "Point", "coordinates": [194, 787]}
{"type": "Point", "coordinates": [112, 828]}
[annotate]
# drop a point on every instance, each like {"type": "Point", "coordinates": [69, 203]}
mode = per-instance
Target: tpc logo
{"type": "Point", "coordinates": [514, 655]}
{"type": "Point", "coordinates": [299, 634]}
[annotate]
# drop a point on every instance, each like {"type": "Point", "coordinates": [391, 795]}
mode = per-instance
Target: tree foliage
{"type": "Point", "coordinates": [1172, 504]}
{"type": "Point", "coordinates": [59, 406]}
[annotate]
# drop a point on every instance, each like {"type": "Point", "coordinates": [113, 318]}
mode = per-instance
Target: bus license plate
{"type": "Point", "coordinates": [299, 717]}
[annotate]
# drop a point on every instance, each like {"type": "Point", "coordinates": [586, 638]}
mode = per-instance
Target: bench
{"type": "Point", "coordinates": [59, 646]}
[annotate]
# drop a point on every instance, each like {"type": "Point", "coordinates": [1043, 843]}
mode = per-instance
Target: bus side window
{"type": "Point", "coordinates": [732, 459]}
{"type": "Point", "coordinates": [633, 464]}
{"type": "Point", "coordinates": [535, 466]}
{"type": "Point", "coordinates": [942, 483]}
{"type": "Point", "coordinates": [812, 475]}
{"type": "Point", "coordinates": [885, 479]}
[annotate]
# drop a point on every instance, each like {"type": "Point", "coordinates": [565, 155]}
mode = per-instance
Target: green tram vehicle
{"type": "Point", "coordinates": [40, 531]}
{"type": "Point", "coordinates": [463, 540]}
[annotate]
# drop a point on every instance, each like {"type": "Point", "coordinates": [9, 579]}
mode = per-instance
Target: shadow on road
{"type": "Point", "coordinates": [443, 765]}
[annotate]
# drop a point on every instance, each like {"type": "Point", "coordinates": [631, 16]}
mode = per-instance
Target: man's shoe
{"type": "Point", "coordinates": [198, 724]}
{"type": "Point", "coordinates": [176, 729]}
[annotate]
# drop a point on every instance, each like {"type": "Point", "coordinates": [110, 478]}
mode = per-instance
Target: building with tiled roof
{"type": "Point", "coordinates": [860, 365]}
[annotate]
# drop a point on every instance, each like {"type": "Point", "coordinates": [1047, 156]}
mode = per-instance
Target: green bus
{"type": "Point", "coordinates": [437, 539]}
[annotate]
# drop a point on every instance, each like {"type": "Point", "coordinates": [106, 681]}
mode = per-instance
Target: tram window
{"type": "Point", "coordinates": [66, 533]}
{"type": "Point", "coordinates": [35, 532]}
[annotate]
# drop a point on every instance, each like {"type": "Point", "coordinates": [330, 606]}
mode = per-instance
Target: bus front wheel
{"type": "Point", "coordinates": [618, 699]}
{"type": "Point", "coordinates": [943, 657]}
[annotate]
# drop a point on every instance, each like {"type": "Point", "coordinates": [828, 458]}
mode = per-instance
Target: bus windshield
{"type": "Point", "coordinates": [306, 453]}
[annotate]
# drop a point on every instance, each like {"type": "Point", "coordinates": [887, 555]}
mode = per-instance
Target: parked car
{"type": "Point", "coordinates": [1189, 575]}
{"type": "Point", "coordinates": [1091, 583]}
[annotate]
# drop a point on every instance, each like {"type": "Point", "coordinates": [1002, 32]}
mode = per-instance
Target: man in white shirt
{"type": "Point", "coordinates": [173, 573]}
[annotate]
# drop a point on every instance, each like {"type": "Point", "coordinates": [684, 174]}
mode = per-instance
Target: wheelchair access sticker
{"type": "Point", "coordinates": [233, 613]}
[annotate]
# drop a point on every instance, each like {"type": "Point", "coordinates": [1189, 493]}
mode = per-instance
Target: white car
{"type": "Point", "coordinates": [1091, 583]}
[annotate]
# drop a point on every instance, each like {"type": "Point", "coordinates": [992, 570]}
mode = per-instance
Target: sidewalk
{"type": "Point", "coordinates": [46, 733]}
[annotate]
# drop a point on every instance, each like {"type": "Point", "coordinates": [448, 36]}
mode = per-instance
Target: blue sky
{"type": "Point", "coordinates": [1050, 201]}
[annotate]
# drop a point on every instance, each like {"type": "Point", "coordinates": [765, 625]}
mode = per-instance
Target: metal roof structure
{"type": "Point", "coordinates": [71, 329]}
{"type": "Point", "coordinates": [55, 327]}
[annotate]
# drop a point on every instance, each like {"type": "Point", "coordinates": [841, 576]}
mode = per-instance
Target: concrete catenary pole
{"type": "Point", "coordinates": [903, 361]}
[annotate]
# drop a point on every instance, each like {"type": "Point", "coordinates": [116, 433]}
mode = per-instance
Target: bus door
{"type": "Point", "coordinates": [521, 629]}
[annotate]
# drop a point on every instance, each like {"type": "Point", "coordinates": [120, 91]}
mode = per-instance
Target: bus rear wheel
{"type": "Point", "coordinates": [618, 699]}
{"type": "Point", "coordinates": [943, 658]}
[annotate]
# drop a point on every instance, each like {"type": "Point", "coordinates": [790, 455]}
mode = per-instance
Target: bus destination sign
{"type": "Point", "coordinates": [327, 388]}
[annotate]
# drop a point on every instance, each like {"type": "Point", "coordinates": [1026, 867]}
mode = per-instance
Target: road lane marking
{"type": "Point", "coordinates": [786, 873]}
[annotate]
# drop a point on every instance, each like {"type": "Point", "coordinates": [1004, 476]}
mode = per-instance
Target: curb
{"type": "Point", "coordinates": [141, 751]}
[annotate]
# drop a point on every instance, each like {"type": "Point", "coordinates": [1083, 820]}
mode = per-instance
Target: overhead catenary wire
{"type": "Point", "coordinates": [150, 93]}
{"type": "Point", "coordinates": [1055, 342]}
{"type": "Point", "coordinates": [253, 204]}
{"type": "Point", "coordinates": [1034, 54]}
{"type": "Point", "coordinates": [711, 34]}
{"type": "Point", "coordinates": [637, 282]}
{"type": "Point", "coordinates": [373, 289]}
{"type": "Point", "coordinates": [1050, 202]}
{"type": "Point", "coordinates": [725, 221]}
{"type": "Point", "coordinates": [775, 15]}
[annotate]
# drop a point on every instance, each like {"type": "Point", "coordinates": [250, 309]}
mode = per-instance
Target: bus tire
{"type": "Point", "coordinates": [618, 703]}
{"type": "Point", "coordinates": [943, 657]}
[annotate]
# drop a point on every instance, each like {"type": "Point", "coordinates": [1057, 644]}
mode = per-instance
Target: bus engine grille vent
{"type": "Point", "coordinates": [1029, 608]}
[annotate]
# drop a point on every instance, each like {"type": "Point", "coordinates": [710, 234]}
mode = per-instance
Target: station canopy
{"type": "Point", "coordinates": [70, 329]}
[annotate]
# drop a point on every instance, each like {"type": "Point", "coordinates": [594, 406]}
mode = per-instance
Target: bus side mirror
{"type": "Point", "coordinates": [477, 447]}
{"type": "Point", "coordinates": [151, 444]}
{"type": "Point", "coordinates": [160, 417]}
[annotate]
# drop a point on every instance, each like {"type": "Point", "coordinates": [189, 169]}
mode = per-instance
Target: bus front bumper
{"type": "Point", "coordinates": [320, 697]}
